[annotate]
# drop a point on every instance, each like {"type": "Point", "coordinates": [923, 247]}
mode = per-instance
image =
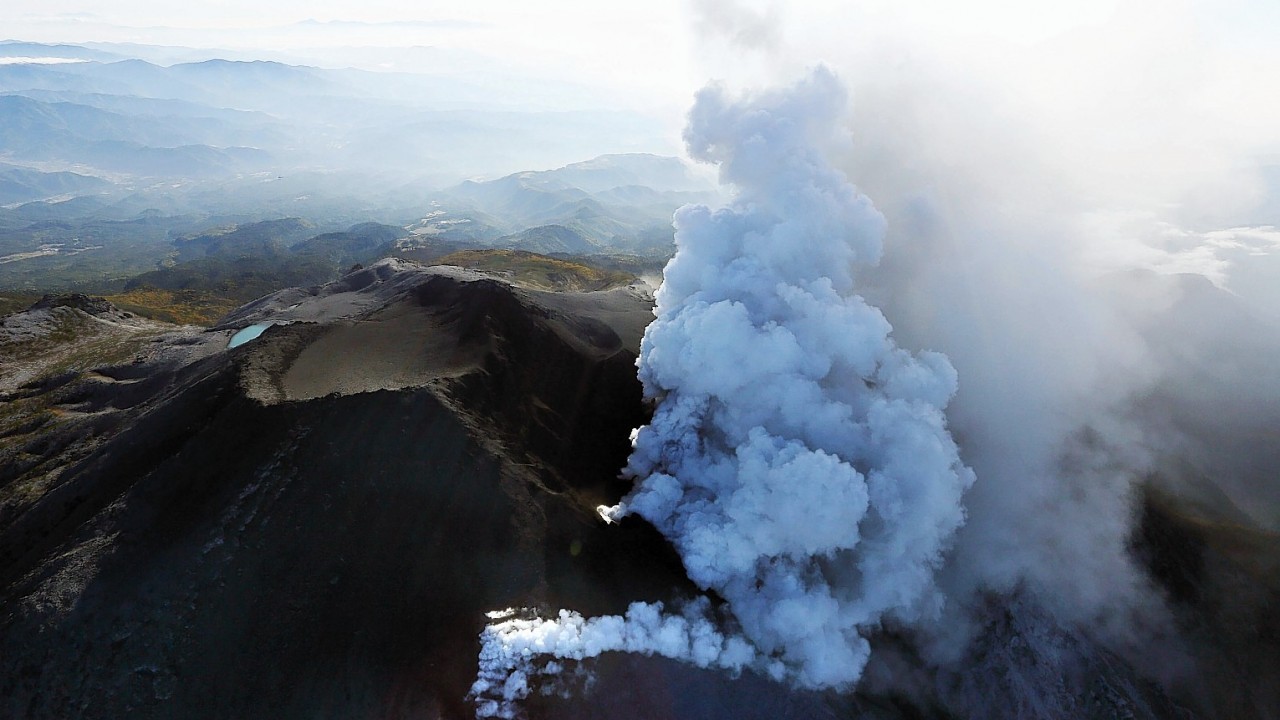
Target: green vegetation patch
{"type": "Point", "coordinates": [181, 307]}
{"type": "Point", "coordinates": [16, 302]}
{"type": "Point", "coordinates": [539, 271]}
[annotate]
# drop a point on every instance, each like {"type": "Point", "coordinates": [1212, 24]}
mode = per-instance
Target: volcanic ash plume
{"type": "Point", "coordinates": [798, 459]}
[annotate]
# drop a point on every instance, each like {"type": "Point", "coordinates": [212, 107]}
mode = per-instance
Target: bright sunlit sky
{"type": "Point", "coordinates": [659, 48]}
{"type": "Point", "coordinates": [637, 47]}
{"type": "Point", "coordinates": [655, 52]}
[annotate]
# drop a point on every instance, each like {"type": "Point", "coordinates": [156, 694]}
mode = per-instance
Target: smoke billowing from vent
{"type": "Point", "coordinates": [798, 460]}
{"type": "Point", "coordinates": [516, 649]}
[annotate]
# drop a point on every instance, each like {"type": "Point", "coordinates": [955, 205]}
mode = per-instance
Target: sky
{"type": "Point", "coordinates": [655, 52]}
{"type": "Point", "coordinates": [629, 50]}
{"type": "Point", "coordinates": [659, 51]}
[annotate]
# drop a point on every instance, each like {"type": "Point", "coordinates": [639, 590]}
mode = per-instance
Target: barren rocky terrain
{"type": "Point", "coordinates": [314, 524]}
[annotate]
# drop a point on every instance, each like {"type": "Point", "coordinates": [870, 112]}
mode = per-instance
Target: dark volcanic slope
{"type": "Point", "coordinates": [271, 532]}
{"type": "Point", "coordinates": [314, 524]}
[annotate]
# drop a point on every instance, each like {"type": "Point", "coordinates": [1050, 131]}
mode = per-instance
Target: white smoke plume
{"type": "Point", "coordinates": [1020, 159]}
{"type": "Point", "coordinates": [798, 459]}
{"type": "Point", "coordinates": [517, 649]}
{"type": "Point", "coordinates": [1020, 165]}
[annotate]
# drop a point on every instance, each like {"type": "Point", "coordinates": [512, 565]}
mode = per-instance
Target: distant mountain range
{"type": "Point", "coordinates": [19, 185]}
{"type": "Point", "coordinates": [247, 261]}
{"type": "Point", "coordinates": [64, 230]}
{"type": "Point", "coordinates": [610, 204]}
{"type": "Point", "coordinates": [295, 117]}
{"type": "Point", "coordinates": [117, 170]}
{"type": "Point", "coordinates": [19, 49]}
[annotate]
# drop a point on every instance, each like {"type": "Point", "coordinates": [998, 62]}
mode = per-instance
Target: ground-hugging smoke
{"type": "Point", "coordinates": [520, 646]}
{"type": "Point", "coordinates": [798, 460]}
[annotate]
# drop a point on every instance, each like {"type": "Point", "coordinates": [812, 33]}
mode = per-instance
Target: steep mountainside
{"type": "Point", "coordinates": [315, 523]}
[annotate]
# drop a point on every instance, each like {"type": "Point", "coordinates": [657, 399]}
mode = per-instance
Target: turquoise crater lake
{"type": "Point", "coordinates": [246, 334]}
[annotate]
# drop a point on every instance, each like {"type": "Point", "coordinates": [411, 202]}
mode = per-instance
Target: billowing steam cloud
{"type": "Point", "coordinates": [798, 459]}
